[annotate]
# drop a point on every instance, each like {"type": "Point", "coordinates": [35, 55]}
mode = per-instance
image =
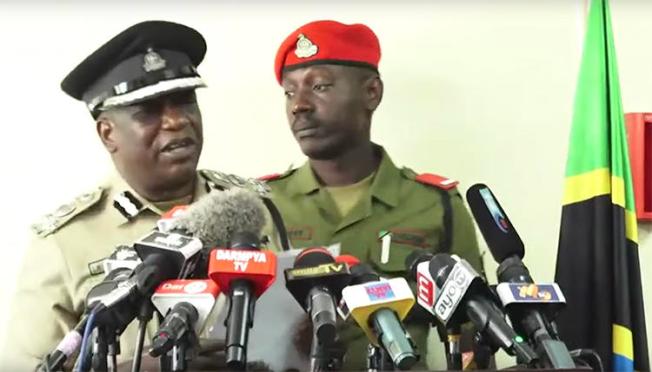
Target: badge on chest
{"type": "Point", "coordinates": [300, 233]}
{"type": "Point", "coordinates": [392, 246]}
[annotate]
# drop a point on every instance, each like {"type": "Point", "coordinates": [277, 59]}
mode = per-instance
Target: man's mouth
{"type": "Point", "coordinates": [306, 132]}
{"type": "Point", "coordinates": [178, 144]}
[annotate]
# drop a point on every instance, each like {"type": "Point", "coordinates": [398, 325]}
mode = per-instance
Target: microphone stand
{"type": "Point", "coordinates": [179, 357]}
{"type": "Point", "coordinates": [113, 348]}
{"type": "Point", "coordinates": [105, 349]}
{"type": "Point", "coordinates": [324, 357]}
{"type": "Point", "coordinates": [183, 351]}
{"type": "Point", "coordinates": [100, 350]}
{"type": "Point", "coordinates": [145, 314]}
{"type": "Point", "coordinates": [378, 359]}
{"type": "Point", "coordinates": [454, 355]}
{"type": "Point", "coordinates": [320, 359]}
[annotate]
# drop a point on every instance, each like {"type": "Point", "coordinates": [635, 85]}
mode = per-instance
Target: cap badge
{"type": "Point", "coordinates": [153, 61]}
{"type": "Point", "coordinates": [305, 47]}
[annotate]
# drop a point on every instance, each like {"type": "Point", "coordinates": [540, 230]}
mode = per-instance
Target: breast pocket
{"type": "Point", "coordinates": [393, 246]}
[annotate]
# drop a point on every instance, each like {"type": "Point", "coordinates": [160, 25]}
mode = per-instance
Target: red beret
{"type": "Point", "coordinates": [328, 42]}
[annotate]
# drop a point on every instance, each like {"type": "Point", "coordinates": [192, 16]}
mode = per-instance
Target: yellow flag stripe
{"type": "Point", "coordinates": [586, 186]}
{"type": "Point", "coordinates": [618, 191]}
{"type": "Point", "coordinates": [631, 226]}
{"type": "Point", "coordinates": [623, 343]}
{"type": "Point", "coordinates": [596, 183]}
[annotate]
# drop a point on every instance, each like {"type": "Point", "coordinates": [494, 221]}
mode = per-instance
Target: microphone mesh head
{"type": "Point", "coordinates": [414, 259]}
{"type": "Point", "coordinates": [440, 266]}
{"type": "Point", "coordinates": [348, 259]}
{"type": "Point", "coordinates": [363, 273]}
{"type": "Point", "coordinates": [313, 257]}
{"type": "Point", "coordinates": [214, 218]}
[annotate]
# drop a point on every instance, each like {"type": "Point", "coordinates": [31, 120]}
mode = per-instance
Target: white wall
{"type": "Point", "coordinates": [479, 91]}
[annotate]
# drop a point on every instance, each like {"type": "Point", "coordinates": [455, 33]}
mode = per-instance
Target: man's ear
{"type": "Point", "coordinates": [373, 89]}
{"type": "Point", "coordinates": [106, 131]}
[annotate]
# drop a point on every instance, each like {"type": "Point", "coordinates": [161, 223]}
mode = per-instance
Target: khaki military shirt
{"type": "Point", "coordinates": [412, 213]}
{"type": "Point", "coordinates": [55, 277]}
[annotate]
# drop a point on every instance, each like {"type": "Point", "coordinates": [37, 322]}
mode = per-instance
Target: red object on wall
{"type": "Point", "coordinates": [639, 137]}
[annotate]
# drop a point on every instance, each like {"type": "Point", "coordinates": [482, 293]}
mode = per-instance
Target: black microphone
{"type": "Point", "coordinates": [118, 314]}
{"type": "Point", "coordinates": [495, 226]}
{"type": "Point", "coordinates": [529, 306]}
{"type": "Point", "coordinates": [242, 301]}
{"type": "Point", "coordinates": [417, 264]}
{"type": "Point", "coordinates": [464, 295]}
{"type": "Point", "coordinates": [177, 324]}
{"type": "Point", "coordinates": [316, 282]}
{"type": "Point", "coordinates": [118, 266]}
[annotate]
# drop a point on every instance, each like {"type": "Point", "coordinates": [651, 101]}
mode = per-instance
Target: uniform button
{"type": "Point", "coordinates": [64, 210]}
{"type": "Point", "coordinates": [85, 198]}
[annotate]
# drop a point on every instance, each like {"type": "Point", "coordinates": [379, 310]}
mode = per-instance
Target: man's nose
{"type": "Point", "coordinates": [302, 103]}
{"type": "Point", "coordinates": [173, 117]}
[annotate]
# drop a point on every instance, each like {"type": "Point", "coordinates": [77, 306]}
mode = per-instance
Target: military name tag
{"type": "Point", "coordinates": [303, 233]}
{"type": "Point", "coordinates": [412, 237]}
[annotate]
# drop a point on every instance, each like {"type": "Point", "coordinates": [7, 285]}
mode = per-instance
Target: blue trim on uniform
{"type": "Point", "coordinates": [622, 363]}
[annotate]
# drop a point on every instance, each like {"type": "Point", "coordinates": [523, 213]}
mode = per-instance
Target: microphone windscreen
{"type": "Point", "coordinates": [214, 218]}
{"type": "Point", "coordinates": [414, 259]}
{"type": "Point", "coordinates": [312, 257]}
{"type": "Point", "coordinates": [348, 259]}
{"type": "Point", "coordinates": [440, 267]}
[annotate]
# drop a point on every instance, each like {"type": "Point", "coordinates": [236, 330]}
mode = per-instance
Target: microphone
{"type": "Point", "coordinates": [117, 265]}
{"type": "Point", "coordinates": [350, 261]}
{"type": "Point", "coordinates": [316, 281]}
{"type": "Point", "coordinates": [210, 221]}
{"type": "Point", "coordinates": [243, 272]}
{"type": "Point", "coordinates": [120, 267]}
{"type": "Point", "coordinates": [185, 304]}
{"type": "Point", "coordinates": [177, 328]}
{"type": "Point", "coordinates": [68, 345]}
{"type": "Point", "coordinates": [426, 291]}
{"type": "Point", "coordinates": [378, 306]}
{"type": "Point", "coordinates": [463, 295]}
{"type": "Point", "coordinates": [496, 228]}
{"type": "Point", "coordinates": [529, 306]}
{"type": "Point", "coordinates": [421, 274]}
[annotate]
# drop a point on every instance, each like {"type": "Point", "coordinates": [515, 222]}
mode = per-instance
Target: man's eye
{"type": "Point", "coordinates": [288, 94]}
{"type": "Point", "coordinates": [321, 87]}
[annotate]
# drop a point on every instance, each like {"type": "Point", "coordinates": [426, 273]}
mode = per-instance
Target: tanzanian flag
{"type": "Point", "coordinates": [597, 262]}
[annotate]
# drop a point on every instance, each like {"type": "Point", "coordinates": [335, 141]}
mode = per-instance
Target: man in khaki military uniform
{"type": "Point", "coordinates": [349, 191]}
{"type": "Point", "coordinates": [139, 88]}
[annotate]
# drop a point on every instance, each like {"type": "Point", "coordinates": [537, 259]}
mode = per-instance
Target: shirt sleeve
{"type": "Point", "coordinates": [42, 310]}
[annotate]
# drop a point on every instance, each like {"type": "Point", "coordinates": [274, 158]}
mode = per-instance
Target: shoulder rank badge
{"type": "Point", "coordinates": [270, 177]}
{"type": "Point", "coordinates": [436, 180]}
{"type": "Point", "coordinates": [305, 48]}
{"type": "Point", "coordinates": [225, 180]}
{"type": "Point", "coordinates": [51, 222]}
{"type": "Point", "coordinates": [127, 204]}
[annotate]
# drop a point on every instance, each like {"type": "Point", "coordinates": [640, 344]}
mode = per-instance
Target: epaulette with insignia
{"type": "Point", "coordinates": [270, 177]}
{"type": "Point", "coordinates": [227, 181]}
{"type": "Point", "coordinates": [51, 222]}
{"type": "Point", "coordinates": [278, 176]}
{"type": "Point", "coordinates": [431, 179]}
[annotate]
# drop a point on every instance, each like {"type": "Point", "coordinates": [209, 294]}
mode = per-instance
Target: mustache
{"type": "Point", "coordinates": [301, 122]}
{"type": "Point", "coordinates": [178, 142]}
